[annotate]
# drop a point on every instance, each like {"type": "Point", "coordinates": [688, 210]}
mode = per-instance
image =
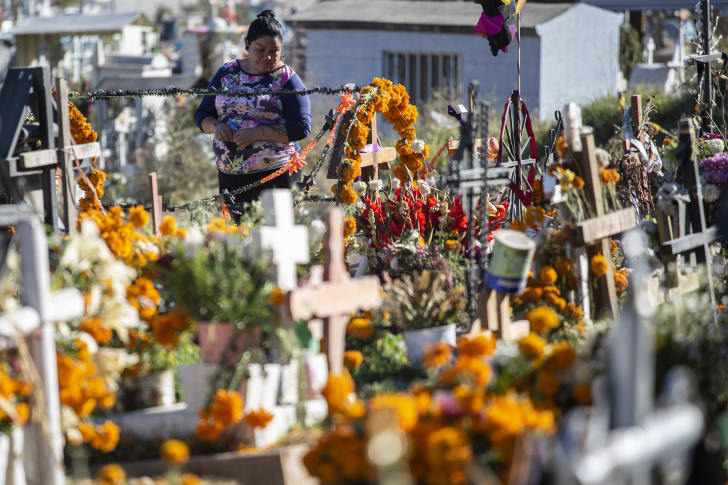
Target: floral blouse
{"type": "Point", "coordinates": [294, 112]}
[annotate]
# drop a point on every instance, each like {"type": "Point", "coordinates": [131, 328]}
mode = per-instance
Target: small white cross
{"type": "Point", "coordinates": [288, 242]}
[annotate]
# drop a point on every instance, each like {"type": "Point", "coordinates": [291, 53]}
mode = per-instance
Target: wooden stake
{"type": "Point", "coordinates": [156, 202]}
{"type": "Point", "coordinates": [65, 159]}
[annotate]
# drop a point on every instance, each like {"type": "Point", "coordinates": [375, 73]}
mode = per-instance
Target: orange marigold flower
{"type": "Point", "coordinates": [208, 428]}
{"type": "Point", "coordinates": [548, 275]}
{"type": "Point", "coordinates": [582, 393]}
{"type": "Point", "coordinates": [94, 327]}
{"type": "Point", "coordinates": [578, 183]}
{"type": "Point", "coordinates": [22, 410]}
{"type": "Point", "coordinates": [259, 418]}
{"type": "Point", "coordinates": [190, 479]}
{"type": "Point", "coordinates": [620, 282]}
{"type": "Point", "coordinates": [138, 217]}
{"type": "Point", "coordinates": [612, 246]}
{"type": "Point", "coordinates": [542, 319]}
{"type": "Point", "coordinates": [175, 452]}
{"type": "Point", "coordinates": [106, 438]}
{"type": "Point", "coordinates": [518, 225]}
{"type": "Point", "coordinates": [349, 226]}
{"type": "Point", "coordinates": [168, 227]}
{"type": "Point", "coordinates": [111, 474]}
{"type": "Point", "coordinates": [468, 370]}
{"type": "Point", "coordinates": [562, 266]}
{"type": "Point", "coordinates": [481, 345]}
{"type": "Point", "coordinates": [338, 390]}
{"type": "Point", "coordinates": [403, 405]}
{"type": "Point", "coordinates": [277, 296]}
{"type": "Point", "coordinates": [227, 407]}
{"type": "Point", "coordinates": [352, 359]}
{"type": "Point", "coordinates": [360, 328]}
{"type": "Point", "coordinates": [548, 384]}
{"type": "Point", "coordinates": [532, 346]}
{"type": "Point", "coordinates": [562, 356]}
{"type": "Point", "coordinates": [599, 265]}
{"type": "Point", "coordinates": [437, 355]}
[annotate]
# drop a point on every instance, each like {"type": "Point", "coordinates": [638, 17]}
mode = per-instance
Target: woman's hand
{"type": "Point", "coordinates": [245, 137]}
{"type": "Point", "coordinates": [223, 131]}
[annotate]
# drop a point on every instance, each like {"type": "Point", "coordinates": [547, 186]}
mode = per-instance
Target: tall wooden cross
{"type": "Point", "coordinates": [42, 308]}
{"type": "Point", "coordinates": [26, 90]}
{"type": "Point", "coordinates": [288, 242]}
{"type": "Point", "coordinates": [375, 158]}
{"type": "Point", "coordinates": [333, 295]}
{"type": "Point", "coordinates": [693, 236]}
{"type": "Point", "coordinates": [594, 233]}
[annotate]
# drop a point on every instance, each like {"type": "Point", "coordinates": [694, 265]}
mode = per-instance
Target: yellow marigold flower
{"type": "Point", "coordinates": [448, 452]}
{"type": "Point", "coordinates": [453, 245]}
{"type": "Point", "coordinates": [277, 296]}
{"type": "Point", "coordinates": [112, 474]}
{"type": "Point", "coordinates": [87, 431]}
{"type": "Point", "coordinates": [562, 266]}
{"type": "Point", "coordinates": [599, 265]}
{"type": "Point", "coordinates": [138, 217]}
{"type": "Point", "coordinates": [562, 356]}
{"type": "Point", "coordinates": [168, 227]}
{"type": "Point", "coordinates": [338, 390]}
{"type": "Point", "coordinates": [259, 418]}
{"type": "Point", "coordinates": [548, 275]}
{"type": "Point", "coordinates": [481, 345]}
{"type": "Point", "coordinates": [567, 178]}
{"type": "Point", "coordinates": [533, 217]}
{"type": "Point", "coordinates": [106, 438]}
{"type": "Point", "coordinates": [175, 452]}
{"type": "Point", "coordinates": [620, 282]}
{"type": "Point", "coordinates": [403, 405]}
{"type": "Point", "coordinates": [181, 233]}
{"type": "Point", "coordinates": [360, 328]}
{"type": "Point", "coordinates": [227, 407]}
{"type": "Point", "coordinates": [437, 355]}
{"type": "Point", "coordinates": [532, 346]}
{"type": "Point", "coordinates": [190, 479]}
{"type": "Point", "coordinates": [470, 401]}
{"type": "Point", "coordinates": [22, 410]}
{"type": "Point", "coordinates": [94, 327]}
{"type": "Point", "coordinates": [542, 319]}
{"type": "Point", "coordinates": [349, 226]}
{"type": "Point", "coordinates": [548, 384]}
{"type": "Point", "coordinates": [468, 370]}
{"type": "Point", "coordinates": [352, 359]}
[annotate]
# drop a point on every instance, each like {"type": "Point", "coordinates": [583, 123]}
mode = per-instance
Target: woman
{"type": "Point", "coordinates": [255, 136]}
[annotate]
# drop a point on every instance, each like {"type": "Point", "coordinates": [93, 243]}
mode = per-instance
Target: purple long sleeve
{"type": "Point", "coordinates": [207, 105]}
{"type": "Point", "coordinates": [296, 111]}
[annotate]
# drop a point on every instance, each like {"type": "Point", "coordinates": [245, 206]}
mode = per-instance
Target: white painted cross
{"type": "Point", "coordinates": [35, 321]}
{"type": "Point", "coordinates": [288, 242]}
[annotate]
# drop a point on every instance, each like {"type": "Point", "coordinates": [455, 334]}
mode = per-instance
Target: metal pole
{"type": "Point", "coordinates": [707, 101]}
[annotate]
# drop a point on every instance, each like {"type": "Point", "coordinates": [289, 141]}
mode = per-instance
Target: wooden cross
{"type": "Point", "coordinates": [372, 162]}
{"type": "Point", "coordinates": [594, 233]}
{"type": "Point", "coordinates": [334, 296]}
{"type": "Point", "coordinates": [494, 314]}
{"type": "Point", "coordinates": [693, 235]}
{"type": "Point", "coordinates": [29, 90]}
{"type": "Point", "coordinates": [288, 242]}
{"type": "Point", "coordinates": [156, 202]}
{"type": "Point", "coordinates": [42, 308]}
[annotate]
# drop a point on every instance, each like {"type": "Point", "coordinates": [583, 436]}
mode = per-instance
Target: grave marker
{"type": "Point", "coordinates": [594, 233]}
{"type": "Point", "coordinates": [336, 296]}
{"type": "Point", "coordinates": [375, 158]}
{"type": "Point", "coordinates": [288, 242]}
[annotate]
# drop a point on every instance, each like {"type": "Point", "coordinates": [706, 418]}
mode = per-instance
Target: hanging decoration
{"type": "Point", "coordinates": [497, 23]}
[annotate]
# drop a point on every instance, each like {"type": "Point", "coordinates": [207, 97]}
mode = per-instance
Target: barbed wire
{"type": "Point", "coordinates": [225, 91]}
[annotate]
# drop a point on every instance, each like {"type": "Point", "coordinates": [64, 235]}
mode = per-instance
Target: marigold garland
{"type": "Point", "coordinates": [393, 102]}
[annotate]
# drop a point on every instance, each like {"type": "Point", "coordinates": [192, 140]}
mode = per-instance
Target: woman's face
{"type": "Point", "coordinates": [264, 53]}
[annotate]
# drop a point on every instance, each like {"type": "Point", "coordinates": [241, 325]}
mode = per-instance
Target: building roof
{"type": "Point", "coordinates": [458, 17]}
{"type": "Point", "coordinates": [622, 5]}
{"type": "Point", "coordinates": [76, 23]}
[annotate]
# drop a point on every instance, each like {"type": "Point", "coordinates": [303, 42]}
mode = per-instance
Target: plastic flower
{"type": "Point", "coordinates": [259, 418]}
{"type": "Point", "coordinates": [175, 452]}
{"type": "Point", "coordinates": [532, 346]}
{"type": "Point", "coordinates": [542, 319]}
{"type": "Point", "coordinates": [352, 359]}
{"type": "Point", "coordinates": [403, 405]}
{"type": "Point", "coordinates": [599, 265]}
{"type": "Point", "coordinates": [111, 474]}
{"type": "Point", "coordinates": [436, 355]}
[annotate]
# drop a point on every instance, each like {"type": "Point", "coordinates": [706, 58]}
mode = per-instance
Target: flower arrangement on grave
{"type": "Point", "coordinates": [222, 419]}
{"type": "Point", "coordinates": [392, 101]}
{"type": "Point", "coordinates": [14, 398]}
{"type": "Point", "coordinates": [465, 414]}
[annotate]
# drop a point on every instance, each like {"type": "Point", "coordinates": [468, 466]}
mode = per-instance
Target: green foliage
{"type": "Point", "coordinates": [630, 49]}
{"type": "Point", "coordinates": [424, 300]}
{"type": "Point", "coordinates": [156, 357]}
{"type": "Point", "coordinates": [384, 367]}
{"type": "Point", "coordinates": [221, 281]}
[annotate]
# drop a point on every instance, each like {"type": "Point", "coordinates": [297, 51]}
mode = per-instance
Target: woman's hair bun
{"type": "Point", "coordinates": [266, 14]}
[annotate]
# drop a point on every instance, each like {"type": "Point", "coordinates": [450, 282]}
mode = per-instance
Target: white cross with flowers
{"type": "Point", "coordinates": [288, 242]}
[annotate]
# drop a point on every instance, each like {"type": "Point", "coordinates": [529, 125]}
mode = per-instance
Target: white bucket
{"type": "Point", "coordinates": [511, 261]}
{"type": "Point", "coordinates": [417, 341]}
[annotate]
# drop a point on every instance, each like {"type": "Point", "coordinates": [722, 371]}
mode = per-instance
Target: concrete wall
{"type": "Point", "coordinates": [579, 57]}
{"type": "Point", "coordinates": [335, 57]}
